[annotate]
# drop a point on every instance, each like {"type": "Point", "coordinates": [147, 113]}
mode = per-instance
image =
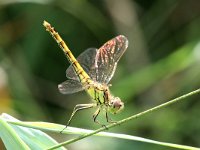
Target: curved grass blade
{"type": "Point", "coordinates": [71, 130]}
{"type": "Point", "coordinates": [10, 137]}
{"type": "Point", "coordinates": [35, 139]}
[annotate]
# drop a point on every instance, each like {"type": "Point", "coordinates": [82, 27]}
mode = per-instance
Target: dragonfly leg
{"type": "Point", "coordinates": [95, 115]}
{"type": "Point", "coordinates": [109, 120]}
{"type": "Point", "coordinates": [77, 108]}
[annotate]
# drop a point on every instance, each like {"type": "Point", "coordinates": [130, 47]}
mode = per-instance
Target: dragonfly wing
{"type": "Point", "coordinates": [70, 86]}
{"type": "Point", "coordinates": [100, 64]}
{"type": "Point", "coordinates": [107, 57]}
{"type": "Point", "coordinates": [87, 61]}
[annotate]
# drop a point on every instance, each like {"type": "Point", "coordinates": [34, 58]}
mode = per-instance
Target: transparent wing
{"type": "Point", "coordinates": [107, 57]}
{"type": "Point", "coordinates": [70, 86]}
{"type": "Point", "coordinates": [87, 61]}
{"type": "Point", "coordinates": [100, 64]}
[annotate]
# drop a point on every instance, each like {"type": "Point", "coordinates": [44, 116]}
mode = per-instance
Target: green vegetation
{"type": "Point", "coordinates": [161, 63]}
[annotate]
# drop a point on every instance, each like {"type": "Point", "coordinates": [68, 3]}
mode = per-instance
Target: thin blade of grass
{"type": "Point", "coordinates": [72, 130]}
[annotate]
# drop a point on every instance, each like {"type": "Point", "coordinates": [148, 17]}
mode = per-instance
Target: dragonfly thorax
{"type": "Point", "coordinates": [102, 95]}
{"type": "Point", "coordinates": [99, 92]}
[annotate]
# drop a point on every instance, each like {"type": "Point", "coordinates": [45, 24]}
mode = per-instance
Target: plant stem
{"type": "Point", "coordinates": [127, 119]}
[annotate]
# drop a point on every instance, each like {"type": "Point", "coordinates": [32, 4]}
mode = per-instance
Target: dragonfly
{"type": "Point", "coordinates": [92, 71]}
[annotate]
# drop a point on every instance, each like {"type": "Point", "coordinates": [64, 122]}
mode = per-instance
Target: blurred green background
{"type": "Point", "coordinates": [161, 63]}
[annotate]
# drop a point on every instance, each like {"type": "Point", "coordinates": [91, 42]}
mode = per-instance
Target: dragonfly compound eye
{"type": "Point", "coordinates": [116, 105]}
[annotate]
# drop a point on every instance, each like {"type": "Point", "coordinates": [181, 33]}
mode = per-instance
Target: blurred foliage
{"type": "Point", "coordinates": [161, 63]}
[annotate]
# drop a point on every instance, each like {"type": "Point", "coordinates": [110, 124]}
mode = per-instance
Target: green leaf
{"type": "Point", "coordinates": [72, 130]}
{"type": "Point", "coordinates": [10, 138]}
{"type": "Point", "coordinates": [35, 139]}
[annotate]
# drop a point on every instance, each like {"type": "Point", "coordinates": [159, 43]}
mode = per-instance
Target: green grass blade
{"type": "Point", "coordinates": [71, 130]}
{"type": "Point", "coordinates": [10, 138]}
{"type": "Point", "coordinates": [58, 128]}
{"type": "Point", "coordinates": [35, 139]}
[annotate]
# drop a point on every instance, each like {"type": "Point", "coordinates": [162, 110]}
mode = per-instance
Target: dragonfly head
{"type": "Point", "coordinates": [115, 105]}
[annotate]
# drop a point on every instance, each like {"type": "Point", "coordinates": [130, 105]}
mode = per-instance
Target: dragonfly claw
{"type": "Point", "coordinates": [63, 129]}
{"type": "Point", "coordinates": [105, 127]}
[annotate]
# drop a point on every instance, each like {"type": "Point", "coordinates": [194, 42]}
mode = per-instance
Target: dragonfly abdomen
{"type": "Point", "coordinates": [83, 76]}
